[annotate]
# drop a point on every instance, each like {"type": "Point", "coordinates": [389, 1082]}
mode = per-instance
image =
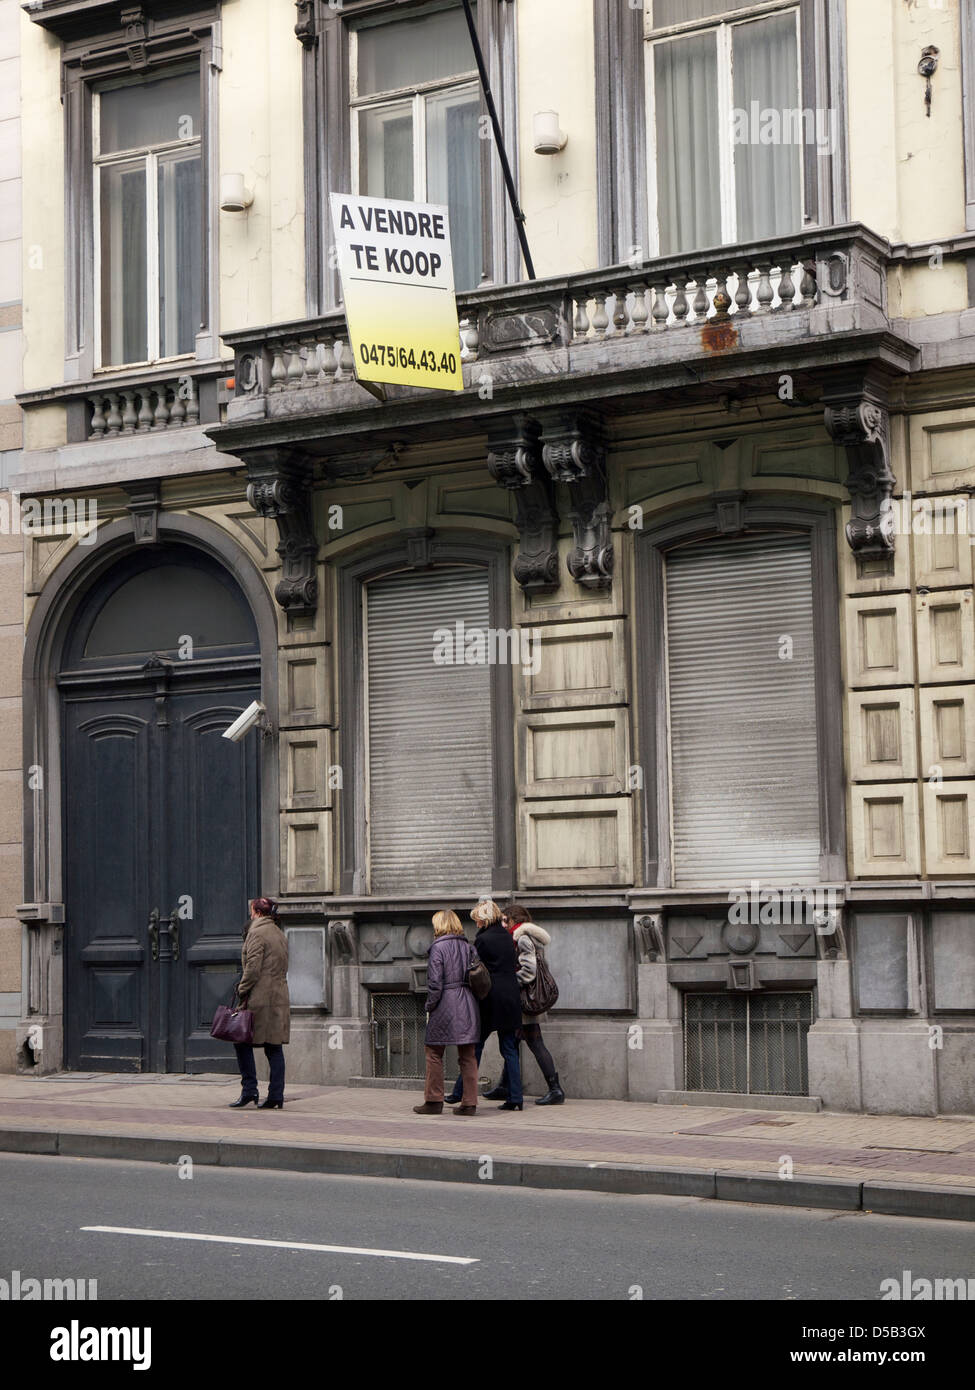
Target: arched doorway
{"type": "Point", "coordinates": [160, 814]}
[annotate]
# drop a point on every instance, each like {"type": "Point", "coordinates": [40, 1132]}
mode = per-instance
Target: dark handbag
{"type": "Point", "coordinates": [233, 1024]}
{"type": "Point", "coordinates": [542, 993]}
{"type": "Point", "coordinates": [478, 977]}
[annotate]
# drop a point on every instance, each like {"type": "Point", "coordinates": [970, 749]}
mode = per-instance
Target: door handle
{"type": "Point", "coordinates": [154, 932]}
{"type": "Point", "coordinates": [174, 933]}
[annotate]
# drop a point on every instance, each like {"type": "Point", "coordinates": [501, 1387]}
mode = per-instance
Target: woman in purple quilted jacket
{"type": "Point", "coordinates": [453, 1015]}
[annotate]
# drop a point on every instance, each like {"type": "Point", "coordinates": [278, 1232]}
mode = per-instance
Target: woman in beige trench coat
{"type": "Point", "coordinates": [263, 989]}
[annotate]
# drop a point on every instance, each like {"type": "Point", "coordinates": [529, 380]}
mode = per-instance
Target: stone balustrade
{"type": "Point", "coordinates": [815, 284]}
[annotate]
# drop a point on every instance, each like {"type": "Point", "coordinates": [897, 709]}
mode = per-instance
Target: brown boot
{"type": "Point", "coordinates": [466, 1110]}
{"type": "Point", "coordinates": [429, 1107]}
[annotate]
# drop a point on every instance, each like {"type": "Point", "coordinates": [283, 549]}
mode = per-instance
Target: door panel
{"type": "Point", "coordinates": [108, 756]}
{"type": "Point", "coordinates": [163, 813]}
{"type": "Point", "coordinates": [214, 861]}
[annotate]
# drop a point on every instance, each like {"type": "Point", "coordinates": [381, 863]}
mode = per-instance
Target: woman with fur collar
{"type": "Point", "coordinates": [529, 938]}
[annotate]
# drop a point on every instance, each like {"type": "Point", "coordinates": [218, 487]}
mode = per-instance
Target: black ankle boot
{"type": "Point", "coordinates": [555, 1094]}
{"type": "Point", "coordinates": [241, 1101]}
{"type": "Point", "coordinates": [499, 1093]}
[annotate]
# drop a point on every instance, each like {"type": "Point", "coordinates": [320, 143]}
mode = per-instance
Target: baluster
{"type": "Point", "coordinates": [681, 306]}
{"type": "Point", "coordinates": [128, 412]}
{"type": "Point", "coordinates": [807, 288]}
{"type": "Point", "coordinates": [177, 413]}
{"type": "Point", "coordinates": [145, 411]}
{"type": "Point", "coordinates": [743, 294]}
{"type": "Point", "coordinates": [470, 339]}
{"type": "Point", "coordinates": [580, 323]}
{"type": "Point", "coordinates": [114, 419]}
{"type": "Point", "coordinates": [620, 313]}
{"type": "Point", "coordinates": [600, 319]}
{"type": "Point", "coordinates": [765, 293]}
{"type": "Point", "coordinates": [310, 373]}
{"type": "Point", "coordinates": [346, 359]}
{"type": "Point", "coordinates": [640, 313]}
{"type": "Point", "coordinates": [325, 348]}
{"type": "Point", "coordinates": [296, 368]}
{"type": "Point", "coordinates": [661, 309]}
{"type": "Point", "coordinates": [97, 426]}
{"type": "Point", "coordinates": [160, 419]}
{"type": "Point", "coordinates": [700, 305]}
{"type": "Point", "coordinates": [721, 299]}
{"type": "Point", "coordinates": [279, 373]}
{"type": "Point", "coordinates": [787, 288]}
{"type": "Point", "coordinates": [192, 402]}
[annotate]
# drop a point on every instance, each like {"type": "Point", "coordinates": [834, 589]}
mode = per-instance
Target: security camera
{"type": "Point", "coordinates": [254, 714]}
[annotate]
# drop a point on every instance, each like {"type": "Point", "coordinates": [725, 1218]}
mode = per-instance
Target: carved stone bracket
{"type": "Point", "coordinates": [514, 461]}
{"type": "Point", "coordinates": [305, 27]}
{"type": "Point", "coordinates": [573, 453]}
{"type": "Point", "coordinates": [648, 930]}
{"type": "Point", "coordinates": [344, 941]}
{"type": "Point", "coordinates": [860, 423]}
{"type": "Point", "coordinates": [143, 507]}
{"type": "Point", "coordinates": [280, 487]}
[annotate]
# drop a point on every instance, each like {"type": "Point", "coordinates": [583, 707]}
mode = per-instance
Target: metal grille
{"type": "Point", "coordinates": [398, 1025]}
{"type": "Point", "coordinates": [752, 1044]}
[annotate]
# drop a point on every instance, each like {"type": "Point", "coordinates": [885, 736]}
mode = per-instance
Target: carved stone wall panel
{"type": "Point", "coordinates": [885, 830]}
{"type": "Point", "coordinates": [880, 650]}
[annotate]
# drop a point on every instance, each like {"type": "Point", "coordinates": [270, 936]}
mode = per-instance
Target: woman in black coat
{"type": "Point", "coordinates": [501, 1009]}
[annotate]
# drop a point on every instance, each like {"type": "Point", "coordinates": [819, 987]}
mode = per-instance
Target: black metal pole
{"type": "Point", "coordinates": [499, 141]}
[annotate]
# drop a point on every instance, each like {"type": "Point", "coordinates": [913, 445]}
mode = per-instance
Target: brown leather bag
{"type": "Point", "coordinates": [478, 976]}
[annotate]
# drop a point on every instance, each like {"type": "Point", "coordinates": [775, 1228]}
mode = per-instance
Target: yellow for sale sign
{"type": "Point", "coordinates": [398, 285]}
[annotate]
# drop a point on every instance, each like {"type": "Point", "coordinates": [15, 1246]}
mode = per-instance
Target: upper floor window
{"type": "Point", "coordinates": [728, 128]}
{"type": "Point", "coordinates": [415, 111]}
{"type": "Point", "coordinates": [148, 208]}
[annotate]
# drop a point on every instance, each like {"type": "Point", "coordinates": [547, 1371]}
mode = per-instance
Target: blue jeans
{"type": "Point", "coordinates": [274, 1052]}
{"type": "Point", "coordinates": [508, 1043]}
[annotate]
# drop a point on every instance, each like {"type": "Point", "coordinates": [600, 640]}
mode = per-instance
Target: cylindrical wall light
{"type": "Point", "coordinates": [549, 139]}
{"type": "Point", "coordinates": [235, 196]}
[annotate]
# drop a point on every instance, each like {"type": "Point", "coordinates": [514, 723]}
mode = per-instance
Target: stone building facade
{"type": "Point", "coordinates": [709, 478]}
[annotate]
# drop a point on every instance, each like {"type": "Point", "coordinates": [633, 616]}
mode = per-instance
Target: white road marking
{"type": "Point", "coordinates": [286, 1245]}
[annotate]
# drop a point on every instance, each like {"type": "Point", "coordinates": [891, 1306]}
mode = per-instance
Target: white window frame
{"type": "Point", "coordinates": [151, 155]}
{"type": "Point", "coordinates": [722, 25]}
{"type": "Point", "coordinates": [417, 93]}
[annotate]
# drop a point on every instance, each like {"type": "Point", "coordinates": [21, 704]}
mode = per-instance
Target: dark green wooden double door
{"type": "Point", "coordinates": [161, 851]}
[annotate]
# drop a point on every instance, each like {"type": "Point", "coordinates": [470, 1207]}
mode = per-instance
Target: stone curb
{"type": "Point", "coordinates": [840, 1194]}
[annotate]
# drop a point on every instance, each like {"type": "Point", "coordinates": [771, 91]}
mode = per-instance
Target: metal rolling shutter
{"type": "Point", "coordinates": [742, 721]}
{"type": "Point", "coordinates": [431, 794]}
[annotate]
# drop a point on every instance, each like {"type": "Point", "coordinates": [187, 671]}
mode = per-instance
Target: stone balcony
{"type": "Point", "coordinates": [612, 340]}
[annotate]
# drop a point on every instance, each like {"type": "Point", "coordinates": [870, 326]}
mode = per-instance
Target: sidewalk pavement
{"type": "Point", "coordinates": [900, 1165]}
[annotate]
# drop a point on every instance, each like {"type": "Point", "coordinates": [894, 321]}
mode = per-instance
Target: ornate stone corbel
{"type": "Point", "coordinates": [134, 24]}
{"type": "Point", "coordinates": [280, 487]}
{"type": "Point", "coordinates": [860, 423]}
{"type": "Point", "coordinates": [342, 935]}
{"type": "Point", "coordinates": [305, 28]}
{"type": "Point", "coordinates": [573, 453]}
{"type": "Point", "coordinates": [143, 507]}
{"type": "Point", "coordinates": [515, 462]}
{"type": "Point", "coordinates": [648, 930]}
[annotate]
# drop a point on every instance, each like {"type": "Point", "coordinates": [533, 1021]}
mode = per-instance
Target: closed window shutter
{"type": "Point", "coordinates": [431, 793]}
{"type": "Point", "coordinates": [744, 763]}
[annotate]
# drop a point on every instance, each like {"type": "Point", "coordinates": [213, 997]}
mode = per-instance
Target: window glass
{"type": "Point", "coordinates": [408, 52]}
{"type": "Point", "coordinates": [386, 151]}
{"type": "Point", "coordinates": [766, 81]}
{"type": "Point", "coordinates": [667, 12]}
{"type": "Point", "coordinates": [454, 176]}
{"type": "Point", "coordinates": [122, 215]}
{"type": "Point", "coordinates": [180, 213]}
{"type": "Point", "coordinates": [688, 172]}
{"type": "Point", "coordinates": [156, 608]}
{"type": "Point", "coordinates": [150, 113]}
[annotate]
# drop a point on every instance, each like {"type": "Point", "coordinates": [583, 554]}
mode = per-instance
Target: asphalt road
{"type": "Point", "coordinates": [527, 1244]}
